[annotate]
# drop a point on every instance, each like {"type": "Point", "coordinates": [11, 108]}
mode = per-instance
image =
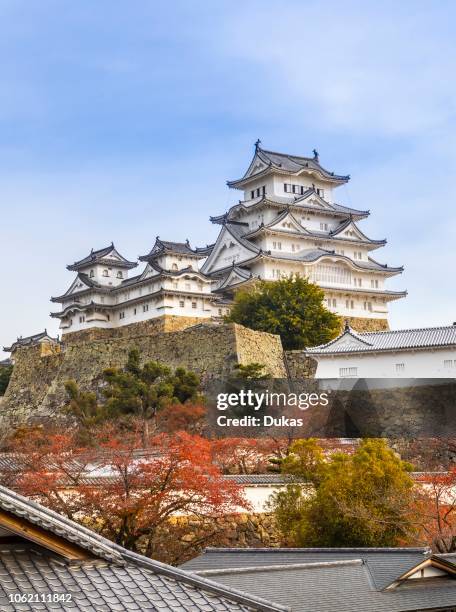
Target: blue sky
{"type": "Point", "coordinates": [120, 121]}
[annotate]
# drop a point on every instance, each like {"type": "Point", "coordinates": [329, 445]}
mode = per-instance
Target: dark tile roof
{"type": "Point", "coordinates": [115, 579]}
{"type": "Point", "coordinates": [262, 479]}
{"type": "Point", "coordinates": [95, 585]}
{"type": "Point", "coordinates": [292, 164]}
{"type": "Point", "coordinates": [29, 341]}
{"type": "Point", "coordinates": [102, 254]}
{"type": "Point", "coordinates": [426, 337]}
{"type": "Point", "coordinates": [298, 204]}
{"type": "Point", "coordinates": [324, 580]}
{"type": "Point", "coordinates": [179, 248]}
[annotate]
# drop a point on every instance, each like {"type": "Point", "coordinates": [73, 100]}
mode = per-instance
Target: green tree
{"type": "Point", "coordinates": [85, 408]}
{"type": "Point", "coordinates": [5, 375]}
{"type": "Point", "coordinates": [291, 307]}
{"type": "Point", "coordinates": [142, 390]}
{"type": "Point", "coordinates": [366, 499]}
{"type": "Point", "coordinates": [133, 391]}
{"type": "Point", "coordinates": [251, 371]}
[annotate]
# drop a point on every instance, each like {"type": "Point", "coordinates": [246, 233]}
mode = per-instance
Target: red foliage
{"type": "Point", "coordinates": [244, 455]}
{"type": "Point", "coordinates": [181, 417]}
{"type": "Point", "coordinates": [125, 493]}
{"type": "Point", "coordinates": [436, 508]}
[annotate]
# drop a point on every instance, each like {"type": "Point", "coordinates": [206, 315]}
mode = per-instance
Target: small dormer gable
{"type": "Point", "coordinates": [348, 230]}
{"type": "Point", "coordinates": [287, 222]}
{"type": "Point", "coordinates": [434, 567]}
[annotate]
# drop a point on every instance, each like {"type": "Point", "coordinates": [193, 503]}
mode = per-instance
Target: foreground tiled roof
{"type": "Point", "coordinates": [325, 580]}
{"type": "Point", "coordinates": [355, 342]}
{"type": "Point", "coordinates": [385, 564]}
{"type": "Point", "coordinates": [110, 578]}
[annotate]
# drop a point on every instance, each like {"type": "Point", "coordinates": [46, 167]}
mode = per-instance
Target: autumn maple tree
{"type": "Point", "coordinates": [436, 509]}
{"type": "Point", "coordinates": [128, 495]}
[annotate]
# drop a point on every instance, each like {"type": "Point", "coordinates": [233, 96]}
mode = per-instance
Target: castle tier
{"type": "Point", "coordinates": [102, 295]}
{"type": "Point", "coordinates": [288, 223]}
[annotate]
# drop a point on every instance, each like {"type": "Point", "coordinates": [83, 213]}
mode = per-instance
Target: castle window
{"type": "Point", "coordinates": [334, 303]}
{"type": "Point", "coordinates": [324, 226]}
{"type": "Point", "coordinates": [175, 285]}
{"type": "Point", "coordinates": [368, 306]}
{"type": "Point", "coordinates": [108, 317]}
{"type": "Point", "coordinates": [81, 319]}
{"type": "Point", "coordinates": [134, 311]}
{"type": "Point", "coordinates": [122, 315]}
{"type": "Point", "coordinates": [252, 194]}
{"type": "Point", "coordinates": [181, 303]}
{"type": "Point", "coordinates": [174, 266]}
{"type": "Point", "coordinates": [374, 284]}
{"type": "Point", "coordinates": [105, 273]}
{"type": "Point", "coordinates": [286, 187]}
{"type": "Point", "coordinates": [145, 307]}
{"type": "Point", "coordinates": [220, 312]}
{"type": "Point", "coordinates": [449, 363]}
{"type": "Point", "coordinates": [358, 255]}
{"type": "Point", "coordinates": [193, 304]}
{"type": "Point", "coordinates": [119, 274]}
{"type": "Point", "coordinates": [347, 372]}
{"type": "Point", "coordinates": [92, 274]}
{"type": "Point", "coordinates": [400, 367]}
{"type": "Point", "coordinates": [321, 193]}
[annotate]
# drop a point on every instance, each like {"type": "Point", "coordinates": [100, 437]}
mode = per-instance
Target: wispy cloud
{"type": "Point", "coordinates": [120, 123]}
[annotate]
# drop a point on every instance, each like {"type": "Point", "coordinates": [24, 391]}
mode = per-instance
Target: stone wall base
{"type": "Point", "coordinates": [190, 535]}
{"type": "Point", "coordinates": [159, 325]}
{"type": "Point", "coordinates": [36, 389]}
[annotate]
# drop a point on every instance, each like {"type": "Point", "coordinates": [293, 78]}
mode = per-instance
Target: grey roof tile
{"type": "Point", "coordinates": [426, 337]}
{"type": "Point", "coordinates": [324, 580]}
{"type": "Point", "coordinates": [116, 580]}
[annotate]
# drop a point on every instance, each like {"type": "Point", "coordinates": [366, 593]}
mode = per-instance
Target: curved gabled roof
{"type": "Point", "coordinates": [343, 226]}
{"type": "Point", "coordinates": [30, 341]}
{"type": "Point", "coordinates": [400, 339]}
{"type": "Point", "coordinates": [103, 256]}
{"type": "Point", "coordinates": [298, 204]}
{"type": "Point", "coordinates": [88, 283]}
{"type": "Point", "coordinates": [162, 247]}
{"type": "Point", "coordinates": [108, 576]}
{"type": "Point", "coordinates": [265, 161]}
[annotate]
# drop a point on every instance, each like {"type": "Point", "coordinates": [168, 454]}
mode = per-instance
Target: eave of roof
{"type": "Point", "coordinates": [408, 339]}
{"type": "Point", "coordinates": [137, 300]}
{"type": "Point", "coordinates": [283, 163]}
{"type": "Point", "coordinates": [101, 547]}
{"type": "Point", "coordinates": [162, 247]}
{"type": "Point", "coordinates": [333, 210]}
{"type": "Point", "coordinates": [97, 257]}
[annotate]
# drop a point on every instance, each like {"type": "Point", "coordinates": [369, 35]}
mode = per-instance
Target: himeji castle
{"type": "Point", "coordinates": [287, 222]}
